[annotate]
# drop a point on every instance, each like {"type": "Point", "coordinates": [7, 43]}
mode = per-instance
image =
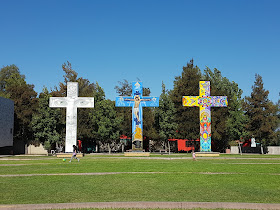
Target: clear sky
{"type": "Point", "coordinates": [108, 41]}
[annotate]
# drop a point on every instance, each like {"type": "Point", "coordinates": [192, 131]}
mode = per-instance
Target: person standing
{"type": "Point", "coordinates": [75, 149]}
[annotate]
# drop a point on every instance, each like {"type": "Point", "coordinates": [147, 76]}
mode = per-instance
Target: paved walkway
{"type": "Point", "coordinates": [143, 205]}
{"type": "Point", "coordinates": [112, 173]}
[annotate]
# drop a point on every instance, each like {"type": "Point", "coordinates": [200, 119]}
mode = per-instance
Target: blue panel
{"type": "Point", "coordinates": [150, 101]}
{"type": "Point", "coordinates": [137, 88]}
{"type": "Point", "coordinates": [125, 101]}
{"type": "Point", "coordinates": [205, 146]}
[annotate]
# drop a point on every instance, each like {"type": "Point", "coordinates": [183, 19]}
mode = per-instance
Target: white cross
{"type": "Point", "coordinates": [71, 103]}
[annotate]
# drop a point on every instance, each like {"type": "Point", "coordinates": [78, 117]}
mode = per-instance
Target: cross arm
{"type": "Point", "coordinates": [124, 101]}
{"type": "Point", "coordinates": [146, 99]}
{"type": "Point", "coordinates": [58, 102]}
{"type": "Point", "coordinates": [150, 101]}
{"type": "Point", "coordinates": [190, 100]}
{"type": "Point", "coordinates": [219, 101]}
{"type": "Point", "coordinates": [128, 99]}
{"type": "Point", "coordinates": [85, 102]}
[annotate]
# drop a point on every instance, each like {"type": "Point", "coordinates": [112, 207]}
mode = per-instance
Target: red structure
{"type": "Point", "coordinates": [80, 145]}
{"type": "Point", "coordinates": [124, 137]}
{"type": "Point", "coordinates": [185, 145]}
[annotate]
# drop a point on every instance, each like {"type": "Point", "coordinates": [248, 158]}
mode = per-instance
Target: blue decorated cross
{"type": "Point", "coordinates": [137, 101]}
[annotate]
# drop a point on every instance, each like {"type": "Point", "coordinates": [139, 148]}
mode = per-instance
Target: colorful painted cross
{"type": "Point", "coordinates": [205, 102]}
{"type": "Point", "coordinates": [137, 101]}
{"type": "Point", "coordinates": [71, 103]}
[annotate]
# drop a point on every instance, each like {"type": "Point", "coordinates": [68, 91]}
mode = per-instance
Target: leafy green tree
{"type": "Point", "coordinates": [106, 123]}
{"type": "Point", "coordinates": [186, 118]}
{"type": "Point", "coordinates": [124, 89]}
{"type": "Point", "coordinates": [45, 122]}
{"type": "Point", "coordinates": [70, 75]}
{"type": "Point", "coordinates": [277, 139]}
{"type": "Point", "coordinates": [86, 89]}
{"type": "Point", "coordinates": [261, 113]}
{"type": "Point", "coordinates": [5, 73]}
{"type": "Point", "coordinates": [165, 116]}
{"type": "Point", "coordinates": [14, 86]}
{"type": "Point", "coordinates": [149, 131]}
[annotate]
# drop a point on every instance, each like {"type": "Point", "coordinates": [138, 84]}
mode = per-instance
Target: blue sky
{"type": "Point", "coordinates": [108, 41]}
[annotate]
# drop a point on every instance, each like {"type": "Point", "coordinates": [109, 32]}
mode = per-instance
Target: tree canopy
{"type": "Point", "coordinates": [187, 118]}
{"type": "Point", "coordinates": [261, 114]}
{"type": "Point", "coordinates": [35, 121]}
{"type": "Point", "coordinates": [165, 116]}
{"type": "Point", "coordinates": [14, 86]}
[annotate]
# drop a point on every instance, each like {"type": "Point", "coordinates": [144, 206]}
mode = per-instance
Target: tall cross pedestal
{"type": "Point", "coordinates": [137, 101]}
{"type": "Point", "coordinates": [204, 101]}
{"type": "Point", "coordinates": [71, 103]}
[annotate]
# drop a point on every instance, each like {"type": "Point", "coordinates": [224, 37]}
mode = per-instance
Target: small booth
{"type": "Point", "coordinates": [186, 145]}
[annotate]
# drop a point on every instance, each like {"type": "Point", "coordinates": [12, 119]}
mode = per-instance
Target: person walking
{"type": "Point", "coordinates": [75, 149]}
{"type": "Point", "coordinates": [193, 155]}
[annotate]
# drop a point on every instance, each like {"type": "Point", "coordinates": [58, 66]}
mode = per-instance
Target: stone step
{"type": "Point", "coordinates": [207, 154]}
{"type": "Point", "coordinates": [68, 155]}
{"type": "Point", "coordinates": [137, 154]}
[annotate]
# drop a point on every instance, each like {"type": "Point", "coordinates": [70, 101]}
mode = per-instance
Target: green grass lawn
{"type": "Point", "coordinates": [230, 178]}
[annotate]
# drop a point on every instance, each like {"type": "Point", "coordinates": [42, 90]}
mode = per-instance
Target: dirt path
{"type": "Point", "coordinates": [143, 205]}
{"type": "Point", "coordinates": [112, 173]}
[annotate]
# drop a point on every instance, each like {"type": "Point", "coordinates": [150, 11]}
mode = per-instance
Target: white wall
{"type": "Point", "coordinates": [234, 150]}
{"type": "Point", "coordinates": [273, 150]}
{"type": "Point", "coordinates": [6, 122]}
{"type": "Point", "coordinates": [33, 150]}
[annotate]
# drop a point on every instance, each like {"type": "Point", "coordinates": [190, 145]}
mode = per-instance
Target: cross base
{"type": "Point", "coordinates": [137, 154]}
{"type": "Point", "coordinates": [68, 155]}
{"type": "Point", "coordinates": [207, 154]}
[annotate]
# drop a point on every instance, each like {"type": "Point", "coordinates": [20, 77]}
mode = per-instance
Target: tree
{"type": "Point", "coordinates": [186, 118]}
{"type": "Point", "coordinates": [261, 113]}
{"type": "Point", "coordinates": [124, 89]}
{"type": "Point", "coordinates": [45, 122]}
{"type": "Point", "coordinates": [149, 131]}
{"type": "Point", "coordinates": [86, 89]}
{"type": "Point", "coordinates": [5, 73]}
{"type": "Point", "coordinates": [165, 116]}
{"type": "Point", "coordinates": [69, 76]}
{"type": "Point", "coordinates": [106, 123]}
{"type": "Point", "coordinates": [14, 86]}
{"type": "Point", "coordinates": [277, 140]}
